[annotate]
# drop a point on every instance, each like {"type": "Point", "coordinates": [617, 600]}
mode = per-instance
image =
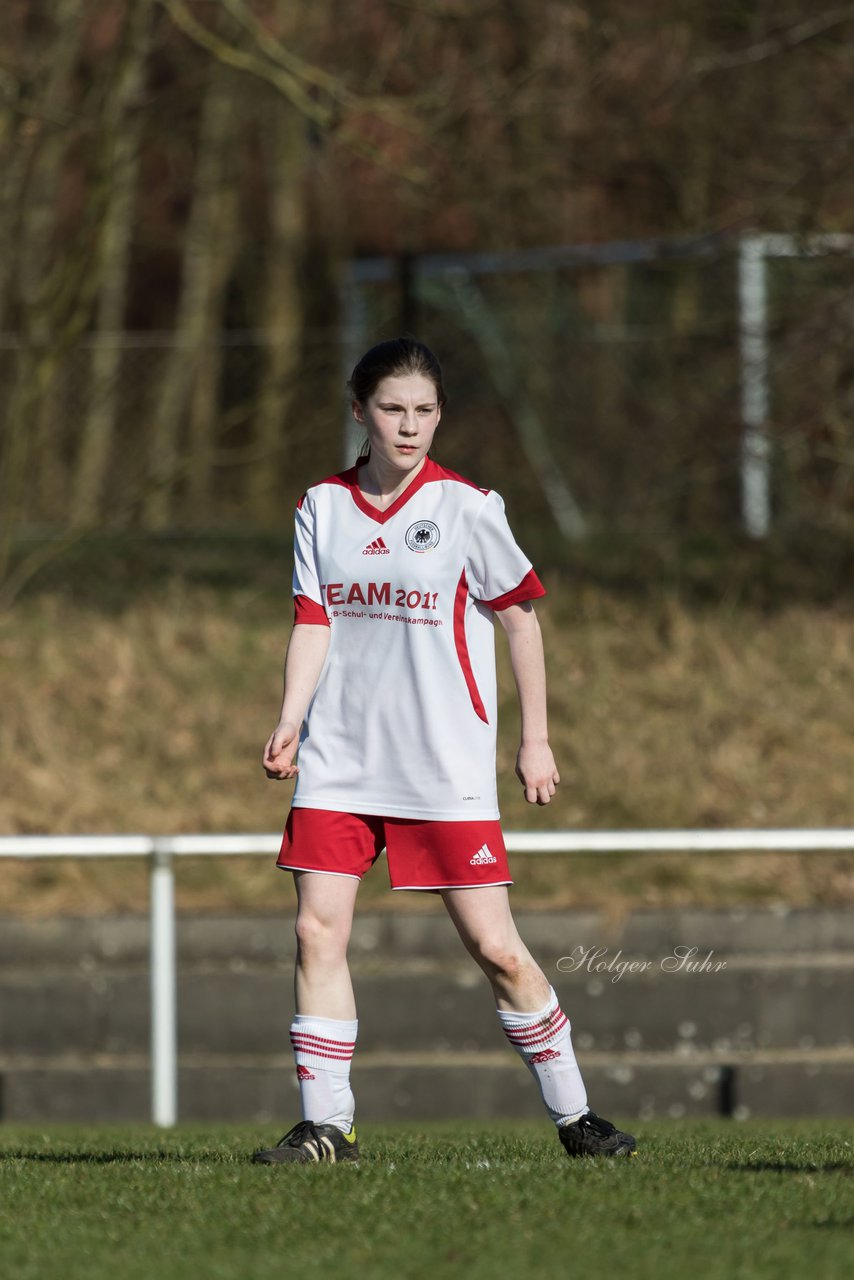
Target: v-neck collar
{"type": "Point", "coordinates": [352, 479]}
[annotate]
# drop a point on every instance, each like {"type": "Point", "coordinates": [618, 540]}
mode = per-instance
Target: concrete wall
{"type": "Point", "coordinates": [673, 1013]}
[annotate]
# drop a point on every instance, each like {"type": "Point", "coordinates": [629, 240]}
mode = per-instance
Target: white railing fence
{"type": "Point", "coordinates": [162, 851]}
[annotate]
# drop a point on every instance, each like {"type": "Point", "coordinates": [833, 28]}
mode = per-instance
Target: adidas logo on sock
{"type": "Point", "coordinates": [376, 548]}
{"type": "Point", "coordinates": [303, 1073]}
{"type": "Point", "coordinates": [545, 1055]}
{"type": "Point", "coordinates": [483, 857]}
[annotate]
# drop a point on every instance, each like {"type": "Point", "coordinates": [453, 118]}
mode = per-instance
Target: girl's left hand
{"type": "Point", "coordinates": [537, 771]}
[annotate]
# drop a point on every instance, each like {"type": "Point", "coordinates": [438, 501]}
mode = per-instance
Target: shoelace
{"type": "Point", "coordinates": [305, 1131]}
{"type": "Point", "coordinates": [592, 1121]}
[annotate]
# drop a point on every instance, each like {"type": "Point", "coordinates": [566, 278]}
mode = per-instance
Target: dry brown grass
{"type": "Point", "coordinates": [152, 719]}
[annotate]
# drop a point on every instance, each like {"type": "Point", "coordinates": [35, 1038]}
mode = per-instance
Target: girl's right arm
{"type": "Point", "coordinates": [304, 661]}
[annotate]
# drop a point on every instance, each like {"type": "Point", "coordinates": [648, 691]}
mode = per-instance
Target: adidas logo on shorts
{"type": "Point", "coordinates": [483, 857]}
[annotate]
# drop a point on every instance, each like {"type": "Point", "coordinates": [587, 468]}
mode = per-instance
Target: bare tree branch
{"type": "Point", "coordinates": [780, 43]}
{"type": "Point", "coordinates": [301, 87]}
{"type": "Point", "coordinates": [282, 79]}
{"type": "Point", "coordinates": [276, 52]}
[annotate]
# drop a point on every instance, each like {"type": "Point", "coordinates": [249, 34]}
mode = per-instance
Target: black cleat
{"type": "Point", "coordinates": [311, 1143]}
{"type": "Point", "coordinates": [590, 1135]}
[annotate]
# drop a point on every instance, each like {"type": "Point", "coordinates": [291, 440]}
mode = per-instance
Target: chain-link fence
{"type": "Point", "coordinates": [602, 398]}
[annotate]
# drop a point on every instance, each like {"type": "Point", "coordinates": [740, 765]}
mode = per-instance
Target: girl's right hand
{"type": "Point", "coordinates": [280, 751]}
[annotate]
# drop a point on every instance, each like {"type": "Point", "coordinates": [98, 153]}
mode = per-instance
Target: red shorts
{"type": "Point", "coordinates": [421, 855]}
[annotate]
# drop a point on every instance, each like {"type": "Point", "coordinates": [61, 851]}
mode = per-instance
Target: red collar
{"type": "Point", "coordinates": [351, 479]}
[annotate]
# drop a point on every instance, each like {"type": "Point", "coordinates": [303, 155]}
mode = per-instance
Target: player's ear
{"type": "Point", "coordinates": [358, 412]}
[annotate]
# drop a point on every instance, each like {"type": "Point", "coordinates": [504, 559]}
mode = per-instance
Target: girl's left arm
{"type": "Point", "coordinates": [535, 764]}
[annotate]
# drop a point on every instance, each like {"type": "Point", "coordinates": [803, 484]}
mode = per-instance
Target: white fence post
{"type": "Point", "coordinates": [162, 850]}
{"type": "Point", "coordinates": [755, 446]}
{"type": "Point", "coordinates": [164, 1034]}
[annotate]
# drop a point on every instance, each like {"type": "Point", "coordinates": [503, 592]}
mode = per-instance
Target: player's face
{"type": "Point", "coordinates": [400, 418]}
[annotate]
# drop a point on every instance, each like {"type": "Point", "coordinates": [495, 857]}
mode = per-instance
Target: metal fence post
{"type": "Point", "coordinates": [755, 445]}
{"type": "Point", "coordinates": [164, 1038]}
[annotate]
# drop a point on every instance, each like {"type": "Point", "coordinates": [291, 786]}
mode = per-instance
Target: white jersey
{"type": "Point", "coordinates": [402, 722]}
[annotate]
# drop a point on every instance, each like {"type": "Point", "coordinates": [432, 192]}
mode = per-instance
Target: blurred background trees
{"type": "Point", "coordinates": [186, 183]}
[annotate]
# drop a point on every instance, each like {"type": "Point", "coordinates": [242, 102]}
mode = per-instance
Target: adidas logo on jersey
{"type": "Point", "coordinates": [483, 857]}
{"type": "Point", "coordinates": [376, 548]}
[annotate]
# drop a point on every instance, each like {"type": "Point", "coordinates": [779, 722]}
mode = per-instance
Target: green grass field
{"type": "Point", "coordinates": [711, 1199]}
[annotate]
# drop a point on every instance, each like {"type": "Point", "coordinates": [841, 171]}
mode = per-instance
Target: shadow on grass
{"type": "Point", "coordinates": [791, 1166]}
{"type": "Point", "coordinates": [118, 1157]}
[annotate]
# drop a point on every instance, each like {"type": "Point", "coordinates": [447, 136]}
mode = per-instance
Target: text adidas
{"type": "Point", "coordinates": [376, 548]}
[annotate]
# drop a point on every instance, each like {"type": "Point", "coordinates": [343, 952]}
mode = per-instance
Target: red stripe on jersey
{"type": "Point", "coordinates": [530, 588]}
{"type": "Point", "coordinates": [442, 473]}
{"type": "Point", "coordinates": [351, 480]}
{"type": "Point", "coordinates": [429, 473]}
{"type": "Point", "coordinates": [345, 479]}
{"type": "Point", "coordinates": [309, 611]}
{"type": "Point", "coordinates": [460, 601]}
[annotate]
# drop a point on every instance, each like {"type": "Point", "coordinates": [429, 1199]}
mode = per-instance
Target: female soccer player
{"type": "Point", "coordinates": [390, 698]}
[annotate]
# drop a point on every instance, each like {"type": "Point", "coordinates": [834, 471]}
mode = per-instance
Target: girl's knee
{"type": "Point", "coordinates": [505, 963]}
{"type": "Point", "coordinates": [320, 935]}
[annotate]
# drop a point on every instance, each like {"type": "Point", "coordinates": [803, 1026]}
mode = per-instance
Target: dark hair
{"type": "Point", "coordinates": [396, 358]}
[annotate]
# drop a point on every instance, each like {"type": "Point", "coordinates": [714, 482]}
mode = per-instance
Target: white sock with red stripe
{"type": "Point", "coordinates": [543, 1041]}
{"type": "Point", "coordinates": [323, 1048]}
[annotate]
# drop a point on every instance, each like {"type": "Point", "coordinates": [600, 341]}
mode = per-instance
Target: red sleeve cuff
{"type": "Point", "coordinates": [530, 588]}
{"type": "Point", "coordinates": [310, 612]}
